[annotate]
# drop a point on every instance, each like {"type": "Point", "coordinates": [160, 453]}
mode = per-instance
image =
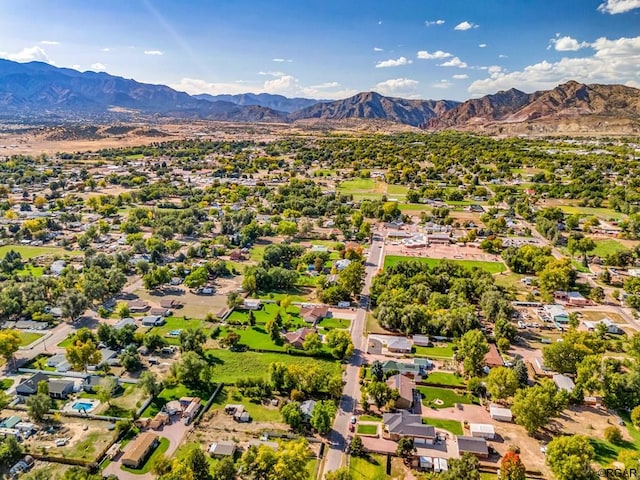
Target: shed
{"type": "Point", "coordinates": [500, 414]}
{"type": "Point", "coordinates": [11, 422]}
{"type": "Point", "coordinates": [563, 382]}
{"type": "Point", "coordinates": [153, 321]}
{"type": "Point", "coordinates": [440, 465]}
{"type": "Point", "coordinates": [482, 430]}
{"type": "Point", "coordinates": [124, 322]}
{"type": "Point", "coordinates": [473, 445]}
{"type": "Point", "coordinates": [421, 340]}
{"type": "Point", "coordinates": [222, 449]}
{"type": "Point", "coordinates": [251, 303]}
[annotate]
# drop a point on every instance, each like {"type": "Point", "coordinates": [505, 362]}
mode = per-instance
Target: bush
{"type": "Point", "coordinates": [613, 434]}
{"type": "Point", "coordinates": [635, 416]}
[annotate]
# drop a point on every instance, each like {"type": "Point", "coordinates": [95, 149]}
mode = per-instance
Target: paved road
{"type": "Point", "coordinates": [351, 393]}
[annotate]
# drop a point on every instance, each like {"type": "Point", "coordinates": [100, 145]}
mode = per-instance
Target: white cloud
{"type": "Point", "coordinates": [614, 61]}
{"type": "Point", "coordinates": [272, 74]}
{"type": "Point", "coordinates": [153, 52]}
{"type": "Point", "coordinates": [397, 86]}
{"type": "Point", "coordinates": [96, 67]}
{"type": "Point", "coordinates": [394, 63]}
{"type": "Point", "coordinates": [378, 49]}
{"type": "Point", "coordinates": [482, 45]}
{"type": "Point", "coordinates": [281, 60]}
{"type": "Point", "coordinates": [28, 54]}
{"type": "Point", "coordinates": [462, 26]}
{"type": "Point", "coordinates": [613, 7]}
{"type": "Point", "coordinates": [442, 84]}
{"type": "Point", "coordinates": [567, 44]}
{"type": "Point", "coordinates": [460, 76]}
{"type": "Point", "coordinates": [106, 49]}
{"type": "Point", "coordinates": [380, 22]}
{"type": "Point", "coordinates": [430, 23]}
{"type": "Point", "coordinates": [49, 42]}
{"type": "Point", "coordinates": [494, 69]}
{"type": "Point", "coordinates": [454, 62]}
{"type": "Point", "coordinates": [438, 54]}
{"type": "Point", "coordinates": [502, 55]}
{"type": "Point", "coordinates": [284, 85]}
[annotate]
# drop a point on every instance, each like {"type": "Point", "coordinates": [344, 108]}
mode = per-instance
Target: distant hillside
{"type": "Point", "coordinates": [275, 102]}
{"type": "Point", "coordinates": [38, 90]}
{"type": "Point", "coordinates": [372, 105]}
{"type": "Point", "coordinates": [583, 106]}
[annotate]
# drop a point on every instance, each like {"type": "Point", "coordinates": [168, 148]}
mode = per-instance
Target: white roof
{"type": "Point", "coordinates": [563, 382]}
{"type": "Point", "coordinates": [555, 310]}
{"type": "Point", "coordinates": [500, 411]}
{"type": "Point", "coordinates": [481, 427]}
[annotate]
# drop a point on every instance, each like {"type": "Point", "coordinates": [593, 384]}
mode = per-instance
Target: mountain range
{"type": "Point", "coordinates": [38, 91]}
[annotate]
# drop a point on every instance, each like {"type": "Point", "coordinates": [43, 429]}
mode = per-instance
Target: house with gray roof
{"type": "Point", "coordinates": [404, 424]}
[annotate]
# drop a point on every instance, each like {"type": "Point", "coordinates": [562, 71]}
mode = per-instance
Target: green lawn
{"type": "Point", "coordinates": [452, 426]}
{"type": "Point", "coordinates": [172, 393]}
{"type": "Point", "coordinates": [229, 366]}
{"type": "Point", "coordinates": [296, 295]}
{"type": "Point", "coordinates": [334, 323]}
{"type": "Point", "coordinates": [607, 247]}
{"type": "Point", "coordinates": [27, 338]}
{"type": "Point", "coordinates": [491, 267]}
{"type": "Point", "coordinates": [372, 467]}
{"type": "Point", "coordinates": [67, 342]}
{"type": "Point", "coordinates": [258, 412]}
{"type": "Point", "coordinates": [178, 323]}
{"type": "Point", "coordinates": [6, 383]}
{"type": "Point", "coordinates": [449, 397]}
{"type": "Point", "coordinates": [607, 452]}
{"type": "Point", "coordinates": [146, 468]}
{"type": "Point", "coordinates": [370, 418]}
{"type": "Point", "coordinates": [445, 379]}
{"type": "Point", "coordinates": [358, 185]}
{"type": "Point", "coordinates": [266, 313]}
{"type": "Point", "coordinates": [604, 213]}
{"type": "Point", "coordinates": [27, 251]}
{"type": "Point", "coordinates": [367, 429]}
{"type": "Point", "coordinates": [438, 351]}
{"type": "Point", "coordinates": [414, 207]}
{"type": "Point", "coordinates": [30, 270]}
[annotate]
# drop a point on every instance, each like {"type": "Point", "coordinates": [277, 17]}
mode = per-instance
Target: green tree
{"type": "Point", "coordinates": [73, 304]}
{"type": "Point", "coordinates": [570, 458]}
{"type": "Point", "coordinates": [564, 357]}
{"type": "Point", "coordinates": [10, 451]}
{"type": "Point", "coordinates": [472, 349]}
{"type": "Point", "coordinates": [312, 343]}
{"type": "Point", "coordinates": [38, 406]}
{"type": "Point", "coordinates": [188, 370]}
{"type": "Point", "coordinates": [557, 275]}
{"type": "Point", "coordinates": [534, 407]}
{"type": "Point", "coordinates": [197, 462]}
{"type": "Point", "coordinates": [340, 474]}
{"type": "Point", "coordinates": [122, 310]}
{"type": "Point", "coordinates": [322, 416]}
{"type": "Point", "coordinates": [230, 340]}
{"type": "Point", "coordinates": [339, 341]}
{"type": "Point", "coordinates": [502, 382]}
{"type": "Point", "coordinates": [378, 392]}
{"type": "Point", "coordinates": [224, 469]}
{"type": "Point", "coordinates": [467, 467]}
{"type": "Point", "coordinates": [356, 448]}
{"type": "Point", "coordinates": [613, 434]}
{"type": "Point", "coordinates": [192, 340]}
{"type": "Point", "coordinates": [292, 415]}
{"type": "Point", "coordinates": [83, 353]}
{"type": "Point", "coordinates": [635, 416]}
{"type": "Point", "coordinates": [274, 331]}
{"type": "Point", "coordinates": [106, 389]}
{"type": "Point", "coordinates": [377, 372]}
{"type": "Point", "coordinates": [351, 278]}
{"type": "Point", "coordinates": [251, 318]}
{"type": "Point", "coordinates": [149, 384]}
{"type": "Point", "coordinates": [405, 449]}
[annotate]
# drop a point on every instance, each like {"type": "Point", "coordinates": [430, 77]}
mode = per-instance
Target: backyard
{"type": "Point", "coordinates": [441, 350]}
{"type": "Point", "coordinates": [27, 338]}
{"type": "Point", "coordinates": [491, 267]}
{"type": "Point", "coordinates": [27, 251]}
{"type": "Point", "coordinates": [445, 379]}
{"type": "Point", "coordinates": [452, 426]}
{"type": "Point", "coordinates": [258, 412]}
{"type": "Point", "coordinates": [367, 429]}
{"type": "Point", "coordinates": [171, 329]}
{"type": "Point", "coordinates": [444, 398]}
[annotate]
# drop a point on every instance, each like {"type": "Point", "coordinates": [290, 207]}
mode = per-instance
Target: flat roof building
{"type": "Point", "coordinates": [140, 449]}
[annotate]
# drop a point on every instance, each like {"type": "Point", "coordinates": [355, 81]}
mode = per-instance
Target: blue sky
{"type": "Point", "coordinates": [452, 49]}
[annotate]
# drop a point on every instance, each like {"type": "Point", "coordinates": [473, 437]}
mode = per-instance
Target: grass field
{"type": "Point", "coordinates": [297, 295]}
{"type": "Point", "coordinates": [27, 338]}
{"type": "Point", "coordinates": [372, 467]}
{"type": "Point", "coordinates": [266, 313]}
{"type": "Point", "coordinates": [452, 426]}
{"type": "Point", "coordinates": [172, 393]}
{"type": "Point", "coordinates": [358, 185]}
{"type": "Point", "coordinates": [368, 429]}
{"type": "Point", "coordinates": [6, 383]}
{"type": "Point", "coordinates": [449, 397]}
{"type": "Point", "coordinates": [30, 270]}
{"type": "Point", "coordinates": [370, 418]}
{"type": "Point", "coordinates": [178, 323]}
{"type": "Point", "coordinates": [491, 267]}
{"type": "Point", "coordinates": [604, 213]}
{"type": "Point", "coordinates": [27, 251]}
{"type": "Point", "coordinates": [258, 412]}
{"type": "Point", "coordinates": [230, 366]}
{"type": "Point", "coordinates": [445, 379]}
{"type": "Point", "coordinates": [607, 247]}
{"type": "Point", "coordinates": [146, 468]}
{"type": "Point", "coordinates": [438, 351]}
{"type": "Point", "coordinates": [334, 323]}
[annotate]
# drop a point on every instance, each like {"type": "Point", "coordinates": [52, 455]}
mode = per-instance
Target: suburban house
{"type": "Point", "coordinates": [399, 345]}
{"type": "Point", "coordinates": [411, 369]}
{"type": "Point", "coordinates": [342, 264]}
{"type": "Point", "coordinates": [611, 327]}
{"type": "Point", "coordinates": [138, 306]}
{"type": "Point", "coordinates": [60, 388]}
{"type": "Point", "coordinates": [314, 313]}
{"type": "Point", "coordinates": [307, 407]}
{"type": "Point", "coordinates": [493, 358]}
{"type": "Point", "coordinates": [107, 355]}
{"type": "Point", "coordinates": [191, 407]}
{"type": "Point", "coordinates": [124, 322]}
{"type": "Point", "coordinates": [571, 298]}
{"type": "Point", "coordinates": [139, 449]}
{"type": "Point", "coordinates": [421, 341]}
{"type": "Point", "coordinates": [222, 449]}
{"type": "Point", "coordinates": [404, 424]}
{"type": "Point", "coordinates": [91, 383]}
{"type": "Point", "coordinates": [556, 313]}
{"type": "Point", "coordinates": [297, 337]}
{"type": "Point", "coordinates": [563, 382]}
{"type": "Point", "coordinates": [169, 303]}
{"type": "Point", "coordinates": [163, 312]}
{"type": "Point", "coordinates": [238, 412]}
{"type": "Point", "coordinates": [501, 414]}
{"type": "Point", "coordinates": [29, 386]}
{"type": "Point", "coordinates": [405, 387]}
{"type": "Point", "coordinates": [473, 445]}
{"type": "Point", "coordinates": [153, 321]}
{"type": "Point", "coordinates": [482, 430]}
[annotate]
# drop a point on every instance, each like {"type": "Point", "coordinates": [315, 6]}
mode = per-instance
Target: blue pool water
{"type": "Point", "coordinates": [82, 406]}
{"type": "Point", "coordinates": [175, 333]}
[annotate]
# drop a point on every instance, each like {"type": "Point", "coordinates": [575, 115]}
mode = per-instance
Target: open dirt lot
{"type": "Point", "coordinates": [194, 306]}
{"type": "Point", "coordinates": [453, 252]}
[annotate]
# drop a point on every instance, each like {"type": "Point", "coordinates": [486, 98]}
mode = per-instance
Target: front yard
{"type": "Point", "coordinates": [444, 397]}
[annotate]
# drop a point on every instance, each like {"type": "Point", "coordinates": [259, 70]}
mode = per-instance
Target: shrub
{"type": "Point", "coordinates": [613, 434]}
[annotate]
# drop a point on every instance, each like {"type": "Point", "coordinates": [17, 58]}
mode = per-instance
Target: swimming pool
{"type": "Point", "coordinates": [84, 405]}
{"type": "Point", "coordinates": [175, 333]}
